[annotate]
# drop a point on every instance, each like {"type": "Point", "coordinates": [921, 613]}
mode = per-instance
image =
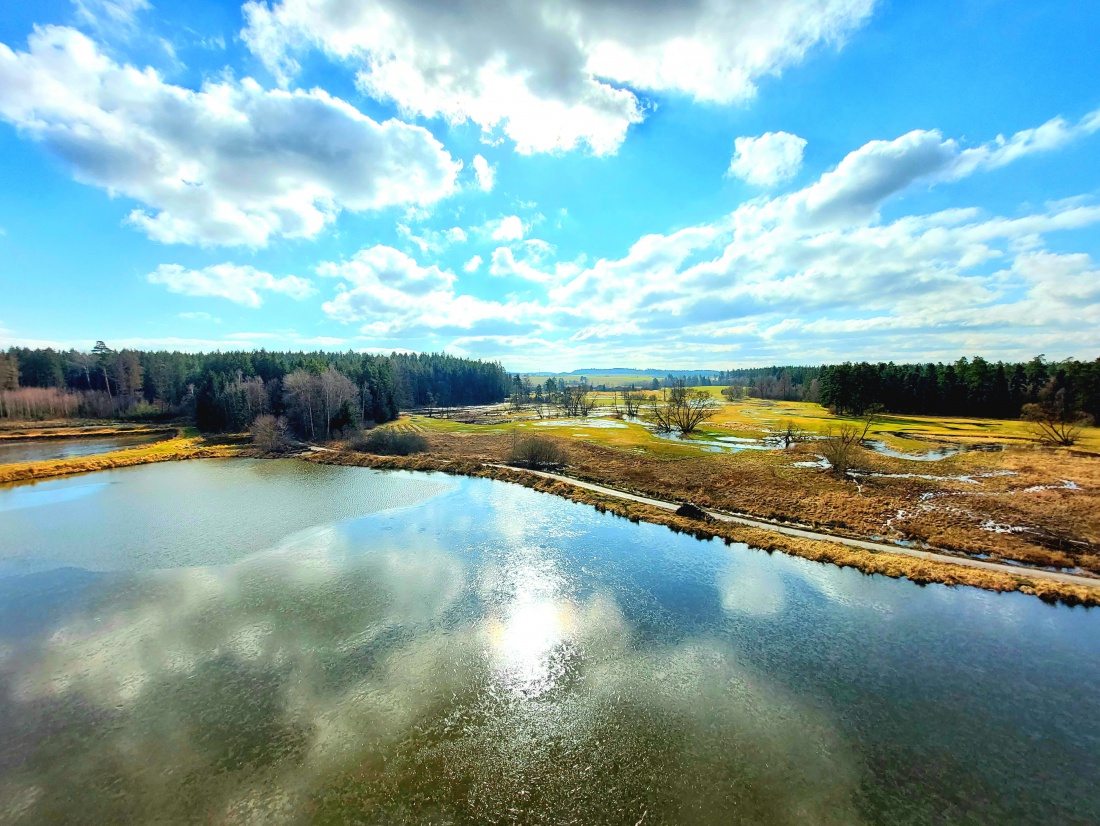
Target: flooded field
{"type": "Point", "coordinates": [240, 641]}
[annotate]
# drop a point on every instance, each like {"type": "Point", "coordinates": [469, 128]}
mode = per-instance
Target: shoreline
{"type": "Point", "coordinates": [920, 567]}
{"type": "Point", "coordinates": [186, 444]}
{"type": "Point", "coordinates": [895, 564]}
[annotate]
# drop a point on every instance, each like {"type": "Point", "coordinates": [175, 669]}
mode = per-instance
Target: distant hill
{"type": "Point", "coordinates": [625, 371]}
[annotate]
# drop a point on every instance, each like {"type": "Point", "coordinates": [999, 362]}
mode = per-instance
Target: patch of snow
{"type": "Point", "coordinates": [1067, 484]}
{"type": "Point", "coordinates": [607, 424]}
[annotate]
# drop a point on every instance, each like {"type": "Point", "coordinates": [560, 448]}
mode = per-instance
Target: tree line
{"type": "Point", "coordinates": [317, 392]}
{"type": "Point", "coordinates": [967, 387]}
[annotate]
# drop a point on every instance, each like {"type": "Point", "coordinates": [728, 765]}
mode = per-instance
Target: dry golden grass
{"type": "Point", "coordinates": [989, 504]}
{"type": "Point", "coordinates": [187, 444]}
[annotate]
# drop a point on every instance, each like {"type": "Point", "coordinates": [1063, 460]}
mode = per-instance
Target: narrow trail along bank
{"type": "Point", "coordinates": [802, 533]}
{"type": "Point", "coordinates": [920, 567]}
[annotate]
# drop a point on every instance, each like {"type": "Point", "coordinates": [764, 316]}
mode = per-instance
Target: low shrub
{"type": "Point", "coordinates": [270, 434]}
{"type": "Point", "coordinates": [386, 442]}
{"type": "Point", "coordinates": [839, 447]}
{"type": "Point", "coordinates": [537, 452]}
{"type": "Point", "coordinates": [691, 511]}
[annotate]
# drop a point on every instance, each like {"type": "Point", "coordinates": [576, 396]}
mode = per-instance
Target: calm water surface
{"type": "Point", "coordinates": [279, 642]}
{"type": "Point", "coordinates": [41, 450]}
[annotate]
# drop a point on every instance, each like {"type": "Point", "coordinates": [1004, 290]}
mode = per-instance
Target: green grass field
{"type": "Point", "coordinates": [756, 418]}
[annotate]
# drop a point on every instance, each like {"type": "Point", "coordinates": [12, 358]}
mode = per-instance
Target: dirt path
{"type": "Point", "coordinates": [1013, 570]}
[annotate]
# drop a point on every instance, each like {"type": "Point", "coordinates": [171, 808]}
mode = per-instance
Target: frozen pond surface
{"type": "Point", "coordinates": [41, 450]}
{"type": "Point", "coordinates": [279, 642]}
{"type": "Point", "coordinates": [933, 454]}
{"type": "Point", "coordinates": [604, 424]}
{"type": "Point", "coordinates": [718, 444]}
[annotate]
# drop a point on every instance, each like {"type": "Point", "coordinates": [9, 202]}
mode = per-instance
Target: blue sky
{"type": "Point", "coordinates": [554, 185]}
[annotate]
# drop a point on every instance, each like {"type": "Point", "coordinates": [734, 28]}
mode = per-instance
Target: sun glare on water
{"type": "Point", "coordinates": [531, 645]}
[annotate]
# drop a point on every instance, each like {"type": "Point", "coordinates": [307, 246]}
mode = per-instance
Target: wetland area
{"type": "Point", "coordinates": [248, 641]}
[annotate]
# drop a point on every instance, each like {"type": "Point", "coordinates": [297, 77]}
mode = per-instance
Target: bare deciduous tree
{"type": "Point", "coordinates": [335, 390]}
{"type": "Point", "coordinates": [632, 401]}
{"type": "Point", "coordinates": [789, 433]}
{"type": "Point", "coordinates": [254, 395]}
{"type": "Point", "coordinates": [314, 401]}
{"type": "Point", "coordinates": [302, 393]}
{"type": "Point", "coordinates": [270, 434]}
{"type": "Point", "coordinates": [537, 452]}
{"type": "Point", "coordinates": [1053, 420]}
{"type": "Point", "coordinates": [577, 401]}
{"type": "Point", "coordinates": [539, 402]}
{"type": "Point", "coordinates": [38, 403]}
{"type": "Point", "coordinates": [839, 447]}
{"type": "Point", "coordinates": [872, 415]}
{"type": "Point", "coordinates": [683, 409]}
{"type": "Point", "coordinates": [692, 409]}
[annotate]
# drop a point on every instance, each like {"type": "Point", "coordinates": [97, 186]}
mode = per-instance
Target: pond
{"type": "Point", "coordinates": [41, 450]}
{"type": "Point", "coordinates": [240, 641]}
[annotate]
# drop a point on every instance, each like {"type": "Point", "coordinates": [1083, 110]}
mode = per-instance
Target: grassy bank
{"type": "Point", "coordinates": [1024, 504]}
{"type": "Point", "coordinates": [869, 562]}
{"type": "Point", "coordinates": [1021, 503]}
{"type": "Point", "coordinates": [186, 444]}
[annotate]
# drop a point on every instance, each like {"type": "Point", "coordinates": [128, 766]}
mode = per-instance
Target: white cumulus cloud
{"type": "Point", "coordinates": [485, 173]}
{"type": "Point", "coordinates": [815, 274]}
{"type": "Point", "coordinates": [390, 293]}
{"type": "Point", "coordinates": [770, 159]}
{"type": "Point", "coordinates": [509, 228]}
{"type": "Point", "coordinates": [549, 74]}
{"type": "Point", "coordinates": [240, 284]}
{"type": "Point", "coordinates": [473, 264]}
{"type": "Point", "coordinates": [230, 164]}
{"type": "Point", "coordinates": [505, 263]}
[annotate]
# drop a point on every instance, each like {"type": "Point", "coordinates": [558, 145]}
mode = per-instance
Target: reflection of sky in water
{"type": "Point", "coordinates": [185, 514]}
{"type": "Point", "coordinates": [484, 652]}
{"type": "Point", "coordinates": [33, 497]}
